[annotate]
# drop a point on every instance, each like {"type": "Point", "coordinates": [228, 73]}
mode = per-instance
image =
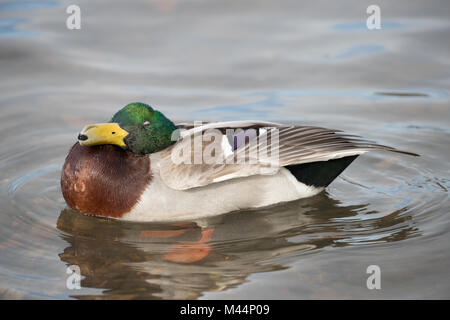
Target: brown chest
{"type": "Point", "coordinates": [104, 180]}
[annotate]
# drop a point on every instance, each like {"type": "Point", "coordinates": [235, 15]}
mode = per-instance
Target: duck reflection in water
{"type": "Point", "coordinates": [184, 260]}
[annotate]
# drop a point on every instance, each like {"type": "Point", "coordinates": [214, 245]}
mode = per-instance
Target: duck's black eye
{"type": "Point", "coordinates": [113, 132]}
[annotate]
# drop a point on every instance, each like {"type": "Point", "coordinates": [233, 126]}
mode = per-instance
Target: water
{"type": "Point", "coordinates": [287, 61]}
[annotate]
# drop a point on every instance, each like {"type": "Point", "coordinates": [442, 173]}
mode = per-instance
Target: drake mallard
{"type": "Point", "coordinates": [126, 169]}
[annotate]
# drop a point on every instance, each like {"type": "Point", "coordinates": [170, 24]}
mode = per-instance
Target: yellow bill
{"type": "Point", "coordinates": [102, 133]}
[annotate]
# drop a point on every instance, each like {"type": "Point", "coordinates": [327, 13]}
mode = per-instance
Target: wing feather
{"type": "Point", "coordinates": [295, 145]}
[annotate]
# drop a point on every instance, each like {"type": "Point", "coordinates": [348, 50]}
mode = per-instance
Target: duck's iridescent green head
{"type": "Point", "coordinates": [137, 127]}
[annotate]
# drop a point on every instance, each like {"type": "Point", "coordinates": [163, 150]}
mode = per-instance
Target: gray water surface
{"type": "Point", "coordinates": [299, 62]}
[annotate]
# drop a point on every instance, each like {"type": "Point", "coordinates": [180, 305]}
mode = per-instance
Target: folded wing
{"type": "Point", "coordinates": [256, 148]}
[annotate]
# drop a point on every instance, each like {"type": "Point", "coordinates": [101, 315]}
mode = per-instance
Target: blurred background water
{"type": "Point", "coordinates": [291, 61]}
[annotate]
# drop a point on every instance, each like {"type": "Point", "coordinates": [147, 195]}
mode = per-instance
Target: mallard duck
{"type": "Point", "coordinates": [141, 166]}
